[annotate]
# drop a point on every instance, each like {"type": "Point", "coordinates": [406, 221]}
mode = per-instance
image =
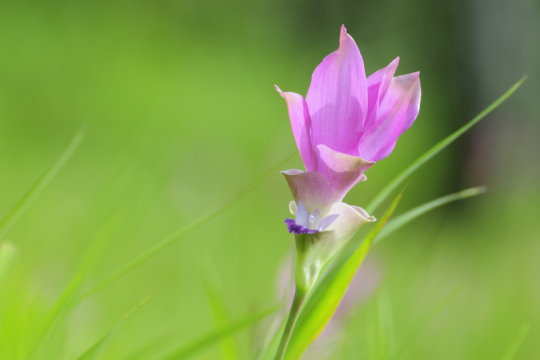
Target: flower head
{"type": "Point", "coordinates": [346, 123]}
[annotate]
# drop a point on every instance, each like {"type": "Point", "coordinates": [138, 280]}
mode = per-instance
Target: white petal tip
{"type": "Point", "coordinates": [364, 213]}
{"type": "Point", "coordinates": [291, 172]}
{"type": "Point", "coordinates": [293, 207]}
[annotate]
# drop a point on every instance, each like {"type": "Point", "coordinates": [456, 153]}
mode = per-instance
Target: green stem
{"type": "Point", "coordinates": [299, 298]}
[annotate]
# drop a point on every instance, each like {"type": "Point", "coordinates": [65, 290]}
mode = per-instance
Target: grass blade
{"type": "Point", "coordinates": [516, 342]}
{"type": "Point", "coordinates": [99, 346]}
{"type": "Point", "coordinates": [386, 326]}
{"type": "Point", "coordinates": [404, 219]}
{"type": "Point", "coordinates": [381, 196]}
{"type": "Point", "coordinates": [410, 215]}
{"type": "Point", "coordinates": [221, 318]}
{"type": "Point", "coordinates": [321, 305]}
{"type": "Point", "coordinates": [215, 336]}
{"type": "Point", "coordinates": [94, 350]}
{"type": "Point", "coordinates": [44, 326]}
{"type": "Point", "coordinates": [415, 331]}
{"type": "Point", "coordinates": [269, 352]}
{"type": "Point", "coordinates": [392, 226]}
{"type": "Point", "coordinates": [172, 239]}
{"type": "Point", "coordinates": [7, 251]}
{"type": "Point", "coordinates": [42, 183]}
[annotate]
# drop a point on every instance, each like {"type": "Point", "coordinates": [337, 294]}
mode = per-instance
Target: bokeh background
{"type": "Point", "coordinates": [181, 113]}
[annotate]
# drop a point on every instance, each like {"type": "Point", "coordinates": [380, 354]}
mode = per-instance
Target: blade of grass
{"type": "Point", "coordinates": [386, 326]}
{"type": "Point", "coordinates": [383, 194]}
{"type": "Point", "coordinates": [43, 327]}
{"type": "Point", "coordinates": [99, 346]}
{"type": "Point", "coordinates": [94, 350]}
{"type": "Point", "coordinates": [172, 239]}
{"type": "Point", "coordinates": [42, 183]}
{"type": "Point", "coordinates": [7, 251]}
{"type": "Point", "coordinates": [221, 318]}
{"type": "Point", "coordinates": [216, 336]}
{"type": "Point", "coordinates": [96, 246]}
{"type": "Point", "coordinates": [410, 215]}
{"type": "Point", "coordinates": [415, 331]}
{"type": "Point", "coordinates": [269, 352]}
{"type": "Point", "coordinates": [402, 220]}
{"type": "Point", "coordinates": [322, 304]}
{"type": "Point", "coordinates": [516, 342]}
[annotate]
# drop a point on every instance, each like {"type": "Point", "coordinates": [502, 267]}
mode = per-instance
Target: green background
{"type": "Point", "coordinates": [181, 113]}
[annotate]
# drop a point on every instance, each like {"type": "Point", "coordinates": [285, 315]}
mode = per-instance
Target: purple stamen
{"type": "Point", "coordinates": [298, 229]}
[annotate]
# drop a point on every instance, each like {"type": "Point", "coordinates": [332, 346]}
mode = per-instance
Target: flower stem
{"type": "Point", "coordinates": [299, 298]}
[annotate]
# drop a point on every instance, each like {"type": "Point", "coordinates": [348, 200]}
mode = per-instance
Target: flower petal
{"type": "Point", "coordinates": [302, 215]}
{"type": "Point", "coordinates": [341, 170]}
{"type": "Point", "coordinates": [311, 188]}
{"type": "Point", "coordinates": [337, 98]}
{"type": "Point", "coordinates": [348, 222]}
{"type": "Point", "coordinates": [377, 85]}
{"type": "Point", "coordinates": [327, 221]}
{"type": "Point", "coordinates": [315, 219]}
{"type": "Point", "coordinates": [364, 213]}
{"type": "Point", "coordinates": [301, 125]}
{"type": "Point", "coordinates": [293, 207]}
{"type": "Point", "coordinates": [396, 113]}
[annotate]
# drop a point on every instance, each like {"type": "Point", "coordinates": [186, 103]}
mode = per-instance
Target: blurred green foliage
{"type": "Point", "coordinates": [180, 112]}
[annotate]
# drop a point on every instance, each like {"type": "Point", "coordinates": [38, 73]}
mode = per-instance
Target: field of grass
{"type": "Point", "coordinates": [176, 113]}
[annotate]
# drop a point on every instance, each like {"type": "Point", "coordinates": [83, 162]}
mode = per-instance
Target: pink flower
{"type": "Point", "coordinates": [346, 123]}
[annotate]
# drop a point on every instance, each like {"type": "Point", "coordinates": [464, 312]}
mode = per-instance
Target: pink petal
{"type": "Point", "coordinates": [301, 125]}
{"type": "Point", "coordinates": [377, 85]}
{"type": "Point", "coordinates": [311, 188]}
{"type": "Point", "coordinates": [341, 170]}
{"type": "Point", "coordinates": [396, 113]}
{"type": "Point", "coordinates": [337, 98]}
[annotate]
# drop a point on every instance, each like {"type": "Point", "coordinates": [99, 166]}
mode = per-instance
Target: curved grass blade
{"type": "Point", "coordinates": [416, 330]}
{"type": "Point", "coordinates": [102, 343]}
{"type": "Point", "coordinates": [99, 346]}
{"type": "Point", "coordinates": [7, 251]}
{"type": "Point", "coordinates": [381, 196]}
{"type": "Point", "coordinates": [220, 315]}
{"type": "Point", "coordinates": [269, 352]}
{"type": "Point", "coordinates": [215, 337]}
{"type": "Point", "coordinates": [397, 223]}
{"type": "Point", "coordinates": [322, 304]}
{"type": "Point", "coordinates": [410, 215]}
{"type": "Point", "coordinates": [42, 183]}
{"type": "Point", "coordinates": [516, 342]}
{"type": "Point", "coordinates": [172, 239]}
{"type": "Point", "coordinates": [43, 327]}
{"type": "Point", "coordinates": [385, 336]}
